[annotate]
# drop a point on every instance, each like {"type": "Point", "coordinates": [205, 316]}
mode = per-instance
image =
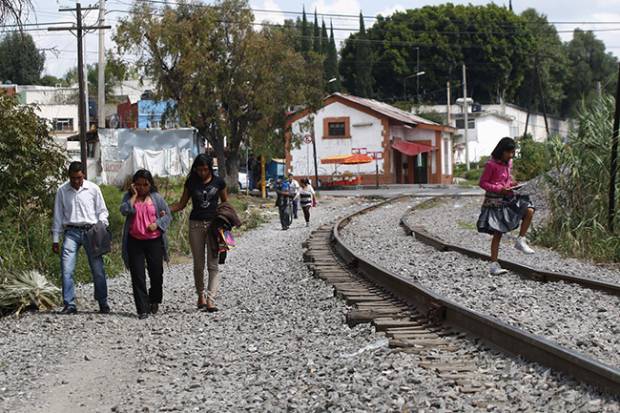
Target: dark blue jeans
{"type": "Point", "coordinates": [75, 238]}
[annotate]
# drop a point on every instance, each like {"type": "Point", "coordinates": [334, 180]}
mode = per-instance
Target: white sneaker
{"type": "Point", "coordinates": [496, 269]}
{"type": "Point", "coordinates": [522, 246]}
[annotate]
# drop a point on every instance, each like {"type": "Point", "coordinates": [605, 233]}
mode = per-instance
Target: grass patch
{"type": "Point", "coordinates": [430, 203]}
{"type": "Point", "coordinates": [32, 249]}
{"type": "Point", "coordinates": [466, 225]}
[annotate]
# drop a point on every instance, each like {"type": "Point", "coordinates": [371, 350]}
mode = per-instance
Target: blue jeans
{"type": "Point", "coordinates": [73, 239]}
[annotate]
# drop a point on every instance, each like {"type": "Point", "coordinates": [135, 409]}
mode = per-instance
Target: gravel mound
{"type": "Point", "coordinates": [578, 318]}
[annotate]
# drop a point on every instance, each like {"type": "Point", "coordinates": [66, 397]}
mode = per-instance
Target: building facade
{"type": "Point", "coordinates": [487, 124]}
{"type": "Point", "coordinates": [407, 148]}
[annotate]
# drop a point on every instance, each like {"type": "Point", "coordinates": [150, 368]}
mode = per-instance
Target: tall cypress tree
{"type": "Point", "coordinates": [316, 34]}
{"type": "Point", "coordinates": [324, 39]}
{"type": "Point", "coordinates": [331, 63]}
{"type": "Point", "coordinates": [363, 63]}
{"type": "Point", "coordinates": [306, 45]}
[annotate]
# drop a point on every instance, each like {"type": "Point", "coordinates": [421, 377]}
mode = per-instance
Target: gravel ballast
{"type": "Point", "coordinates": [454, 220]}
{"type": "Point", "coordinates": [279, 343]}
{"type": "Point", "coordinates": [575, 317]}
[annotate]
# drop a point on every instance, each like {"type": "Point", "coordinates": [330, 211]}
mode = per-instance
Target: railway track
{"type": "Point", "coordinates": [421, 234]}
{"type": "Point", "coordinates": [416, 319]}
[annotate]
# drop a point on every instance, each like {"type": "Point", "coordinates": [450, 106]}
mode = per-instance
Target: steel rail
{"type": "Point", "coordinates": [495, 332]}
{"type": "Point", "coordinates": [422, 235]}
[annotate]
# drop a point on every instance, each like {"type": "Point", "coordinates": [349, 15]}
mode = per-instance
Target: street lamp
{"type": "Point", "coordinates": [417, 76]}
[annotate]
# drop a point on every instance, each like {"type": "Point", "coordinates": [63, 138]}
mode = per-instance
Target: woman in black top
{"type": "Point", "coordinates": [206, 190]}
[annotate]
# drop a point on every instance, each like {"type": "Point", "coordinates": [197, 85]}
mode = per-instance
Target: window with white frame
{"type": "Point", "coordinates": [63, 124]}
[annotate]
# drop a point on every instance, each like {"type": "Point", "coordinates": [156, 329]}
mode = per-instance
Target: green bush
{"type": "Point", "coordinates": [473, 174]}
{"type": "Point", "coordinates": [532, 159]}
{"type": "Point", "coordinates": [579, 182]}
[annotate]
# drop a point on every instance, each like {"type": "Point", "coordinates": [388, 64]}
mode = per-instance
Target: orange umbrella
{"type": "Point", "coordinates": [357, 159]}
{"type": "Point", "coordinates": [335, 159]}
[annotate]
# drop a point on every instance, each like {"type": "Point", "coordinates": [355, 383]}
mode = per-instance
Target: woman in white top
{"type": "Point", "coordinates": [307, 199]}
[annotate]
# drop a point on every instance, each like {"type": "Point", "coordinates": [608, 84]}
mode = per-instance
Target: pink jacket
{"type": "Point", "coordinates": [496, 176]}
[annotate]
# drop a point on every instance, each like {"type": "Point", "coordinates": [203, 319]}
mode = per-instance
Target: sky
{"type": "Point", "coordinates": [61, 47]}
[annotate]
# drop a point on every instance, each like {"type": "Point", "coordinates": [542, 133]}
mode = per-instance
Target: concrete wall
{"type": "Point", "coordinates": [483, 139]}
{"type": "Point", "coordinates": [517, 115]}
{"type": "Point", "coordinates": [366, 132]}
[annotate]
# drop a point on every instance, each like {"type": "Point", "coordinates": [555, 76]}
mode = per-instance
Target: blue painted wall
{"type": "Point", "coordinates": [150, 112]}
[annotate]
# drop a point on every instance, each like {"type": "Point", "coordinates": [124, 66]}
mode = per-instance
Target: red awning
{"type": "Point", "coordinates": [410, 148]}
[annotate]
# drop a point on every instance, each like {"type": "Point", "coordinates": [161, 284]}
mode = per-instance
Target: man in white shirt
{"type": "Point", "coordinates": [79, 205]}
{"type": "Point", "coordinates": [294, 191]}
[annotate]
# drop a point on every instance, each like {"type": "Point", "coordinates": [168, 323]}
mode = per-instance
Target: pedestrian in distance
{"type": "Point", "coordinates": [283, 200]}
{"type": "Point", "coordinates": [294, 194]}
{"type": "Point", "coordinates": [307, 199]}
{"type": "Point", "coordinates": [503, 208]}
{"type": "Point", "coordinates": [145, 241]}
{"type": "Point", "coordinates": [206, 190]}
{"type": "Point", "coordinates": [81, 217]}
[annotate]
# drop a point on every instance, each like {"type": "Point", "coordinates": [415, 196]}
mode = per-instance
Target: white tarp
{"type": "Point", "coordinates": [166, 162]}
{"type": "Point", "coordinates": [164, 152]}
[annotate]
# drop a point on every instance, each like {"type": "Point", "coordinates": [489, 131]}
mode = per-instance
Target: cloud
{"type": "Point", "coordinates": [391, 10]}
{"type": "Point", "coordinates": [274, 15]}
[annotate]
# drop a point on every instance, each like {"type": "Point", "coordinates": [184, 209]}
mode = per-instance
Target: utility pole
{"type": "Point", "coordinates": [614, 159]}
{"type": "Point", "coordinates": [83, 100]}
{"type": "Point", "coordinates": [316, 164]}
{"type": "Point", "coordinates": [101, 69]}
{"type": "Point", "coordinates": [466, 116]}
{"type": "Point", "coordinates": [417, 77]}
{"type": "Point", "coordinates": [449, 104]}
{"type": "Point", "coordinates": [542, 96]}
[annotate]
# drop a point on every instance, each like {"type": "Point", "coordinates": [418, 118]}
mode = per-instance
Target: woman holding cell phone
{"type": "Point", "coordinates": [145, 245]}
{"type": "Point", "coordinates": [503, 210]}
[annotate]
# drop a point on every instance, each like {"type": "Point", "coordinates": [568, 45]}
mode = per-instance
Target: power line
{"type": "Point", "coordinates": [352, 16]}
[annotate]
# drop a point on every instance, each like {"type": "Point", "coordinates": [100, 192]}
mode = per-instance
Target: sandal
{"type": "Point", "coordinates": [202, 300]}
{"type": "Point", "coordinates": [211, 307]}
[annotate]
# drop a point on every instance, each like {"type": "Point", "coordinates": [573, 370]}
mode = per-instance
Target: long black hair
{"type": "Point", "coordinates": [504, 145]}
{"type": "Point", "coordinates": [201, 160]}
{"type": "Point", "coordinates": [145, 174]}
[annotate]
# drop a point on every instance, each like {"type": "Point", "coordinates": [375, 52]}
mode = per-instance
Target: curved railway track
{"type": "Point", "coordinates": [422, 235]}
{"type": "Point", "coordinates": [417, 319]}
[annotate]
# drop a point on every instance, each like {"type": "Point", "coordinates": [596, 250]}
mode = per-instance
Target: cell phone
{"type": "Point", "coordinates": [514, 188]}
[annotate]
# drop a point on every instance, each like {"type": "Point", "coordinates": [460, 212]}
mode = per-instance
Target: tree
{"type": "Point", "coordinates": [545, 66]}
{"type": "Point", "coordinates": [324, 39]}
{"type": "Point", "coordinates": [589, 63]}
{"type": "Point", "coordinates": [32, 166]}
{"type": "Point", "coordinates": [116, 71]}
{"type": "Point", "coordinates": [331, 63]}
{"type": "Point", "coordinates": [306, 43]}
{"type": "Point", "coordinates": [227, 79]}
{"type": "Point", "coordinates": [490, 40]}
{"type": "Point", "coordinates": [316, 35]}
{"type": "Point", "coordinates": [363, 64]}
{"type": "Point", "coordinates": [13, 9]}
{"type": "Point", "coordinates": [49, 80]}
{"type": "Point", "coordinates": [20, 60]}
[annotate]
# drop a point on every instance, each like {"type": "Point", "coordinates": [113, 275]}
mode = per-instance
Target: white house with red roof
{"type": "Point", "coordinates": [406, 148]}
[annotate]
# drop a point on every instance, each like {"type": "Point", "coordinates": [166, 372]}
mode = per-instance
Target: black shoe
{"type": "Point", "coordinates": [154, 308]}
{"type": "Point", "coordinates": [68, 310]}
{"type": "Point", "coordinates": [104, 309]}
{"type": "Point", "coordinates": [142, 316]}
